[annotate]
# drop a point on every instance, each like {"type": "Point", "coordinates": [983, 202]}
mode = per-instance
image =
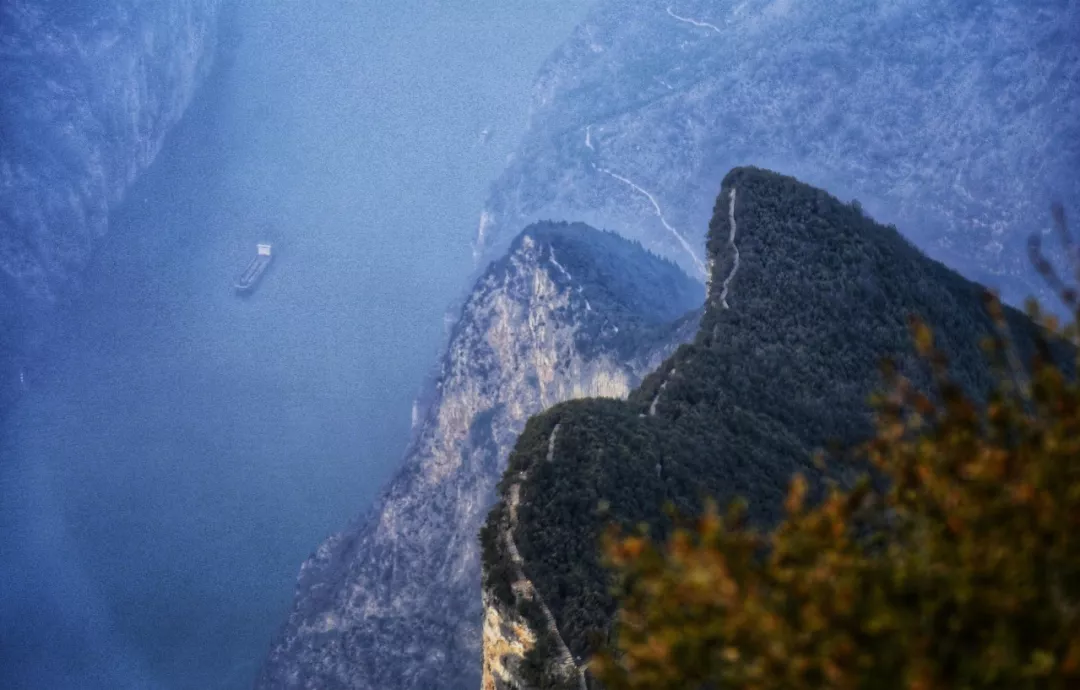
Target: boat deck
{"type": "Point", "coordinates": [254, 271]}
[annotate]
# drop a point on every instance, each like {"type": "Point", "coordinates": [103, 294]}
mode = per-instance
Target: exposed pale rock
{"type": "Point", "coordinates": [395, 601]}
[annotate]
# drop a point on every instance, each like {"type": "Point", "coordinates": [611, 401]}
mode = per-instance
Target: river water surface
{"type": "Point", "coordinates": [184, 449]}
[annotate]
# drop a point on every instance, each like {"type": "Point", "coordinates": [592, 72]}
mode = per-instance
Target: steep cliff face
{"type": "Point", "coordinates": [394, 601]}
{"type": "Point", "coordinates": [520, 634]}
{"type": "Point", "coordinates": [808, 295]}
{"type": "Point", "coordinates": [90, 91]}
{"type": "Point", "coordinates": [954, 121]}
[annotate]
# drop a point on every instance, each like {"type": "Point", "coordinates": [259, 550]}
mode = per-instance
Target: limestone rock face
{"type": "Point", "coordinates": [395, 600]}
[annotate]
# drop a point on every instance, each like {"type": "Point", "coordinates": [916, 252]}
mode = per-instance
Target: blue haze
{"type": "Point", "coordinates": [183, 450]}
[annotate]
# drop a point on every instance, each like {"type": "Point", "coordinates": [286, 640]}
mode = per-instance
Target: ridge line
{"type": "Point", "coordinates": [731, 243]}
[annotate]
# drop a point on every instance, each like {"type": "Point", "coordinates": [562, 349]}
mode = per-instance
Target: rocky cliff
{"type": "Point", "coordinates": [953, 121]}
{"type": "Point", "coordinates": [90, 91]}
{"type": "Point", "coordinates": [394, 601]}
{"type": "Point", "coordinates": [956, 122]}
{"type": "Point", "coordinates": [808, 295]}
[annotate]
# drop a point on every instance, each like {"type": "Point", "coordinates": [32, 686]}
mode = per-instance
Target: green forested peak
{"type": "Point", "coordinates": [807, 297]}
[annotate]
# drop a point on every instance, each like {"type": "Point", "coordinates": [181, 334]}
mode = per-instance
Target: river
{"type": "Point", "coordinates": [184, 449]}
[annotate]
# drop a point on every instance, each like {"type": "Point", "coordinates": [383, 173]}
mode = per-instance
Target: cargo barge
{"type": "Point", "coordinates": [253, 273]}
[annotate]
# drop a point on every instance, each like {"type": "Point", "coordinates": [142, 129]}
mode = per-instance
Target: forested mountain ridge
{"type": "Point", "coordinates": [394, 600]}
{"type": "Point", "coordinates": [783, 364]}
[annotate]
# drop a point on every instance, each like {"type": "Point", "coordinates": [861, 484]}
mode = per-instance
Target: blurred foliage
{"type": "Point", "coordinates": [960, 570]}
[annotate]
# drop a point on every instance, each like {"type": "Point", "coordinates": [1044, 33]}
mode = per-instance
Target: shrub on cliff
{"type": "Point", "coordinates": [960, 570]}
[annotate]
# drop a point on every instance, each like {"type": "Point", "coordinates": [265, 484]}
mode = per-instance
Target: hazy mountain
{"type": "Point", "coordinates": [957, 122]}
{"type": "Point", "coordinates": [90, 91]}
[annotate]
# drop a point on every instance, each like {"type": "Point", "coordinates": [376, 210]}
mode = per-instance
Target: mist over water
{"type": "Point", "coordinates": [183, 449]}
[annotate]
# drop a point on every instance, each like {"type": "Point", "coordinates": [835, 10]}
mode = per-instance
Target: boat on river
{"type": "Point", "coordinates": [247, 281]}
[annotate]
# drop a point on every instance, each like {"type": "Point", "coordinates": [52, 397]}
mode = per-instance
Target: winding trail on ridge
{"type": "Point", "coordinates": [731, 243]}
{"type": "Point", "coordinates": [694, 22]}
{"type": "Point", "coordinates": [656, 398]}
{"type": "Point", "coordinates": [523, 587]}
{"type": "Point", "coordinates": [660, 214]}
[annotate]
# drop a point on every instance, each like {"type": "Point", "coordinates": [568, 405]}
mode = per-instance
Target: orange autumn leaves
{"type": "Point", "coordinates": [960, 570]}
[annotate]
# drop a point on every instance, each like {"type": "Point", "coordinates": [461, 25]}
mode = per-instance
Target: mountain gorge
{"type": "Point", "coordinates": [90, 92]}
{"type": "Point", "coordinates": [394, 601]}
{"type": "Point", "coordinates": [955, 122]}
{"type": "Point", "coordinates": [783, 365]}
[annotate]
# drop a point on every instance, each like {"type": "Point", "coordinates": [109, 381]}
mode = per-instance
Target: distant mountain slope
{"type": "Point", "coordinates": [90, 89]}
{"type": "Point", "coordinates": [784, 362]}
{"type": "Point", "coordinates": [955, 121]}
{"type": "Point", "coordinates": [394, 601]}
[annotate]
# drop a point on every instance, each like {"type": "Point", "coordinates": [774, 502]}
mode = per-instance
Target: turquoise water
{"type": "Point", "coordinates": [184, 449]}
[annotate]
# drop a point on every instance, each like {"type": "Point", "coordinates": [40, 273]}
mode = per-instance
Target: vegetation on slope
{"type": "Point", "coordinates": [821, 296]}
{"type": "Point", "coordinates": [639, 294]}
{"type": "Point", "coordinates": [963, 573]}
